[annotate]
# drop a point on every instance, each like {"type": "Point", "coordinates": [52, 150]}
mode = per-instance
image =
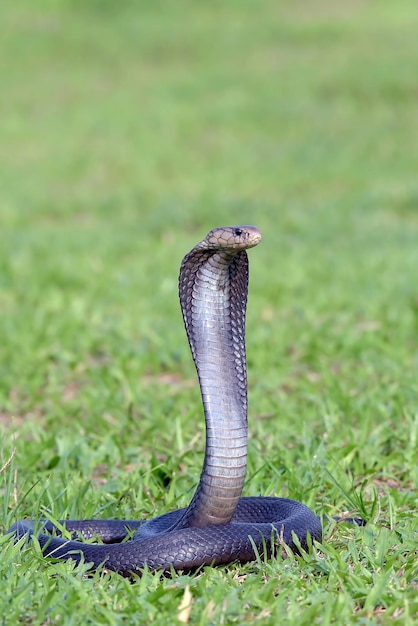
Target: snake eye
{"type": "Point", "coordinates": [238, 232]}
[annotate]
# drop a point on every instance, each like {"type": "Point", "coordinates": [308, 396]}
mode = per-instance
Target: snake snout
{"type": "Point", "coordinates": [248, 235]}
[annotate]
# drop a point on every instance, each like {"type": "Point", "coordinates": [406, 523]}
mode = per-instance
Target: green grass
{"type": "Point", "coordinates": [127, 131]}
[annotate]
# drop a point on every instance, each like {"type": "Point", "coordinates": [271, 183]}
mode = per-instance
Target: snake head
{"type": "Point", "coordinates": [232, 238]}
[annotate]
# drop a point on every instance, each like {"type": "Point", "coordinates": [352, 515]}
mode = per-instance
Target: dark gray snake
{"type": "Point", "coordinates": [218, 526]}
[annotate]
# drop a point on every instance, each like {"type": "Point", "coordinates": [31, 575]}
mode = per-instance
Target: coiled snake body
{"type": "Point", "coordinates": [218, 526]}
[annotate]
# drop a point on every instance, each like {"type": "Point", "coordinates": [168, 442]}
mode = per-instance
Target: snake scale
{"type": "Point", "coordinates": [219, 526]}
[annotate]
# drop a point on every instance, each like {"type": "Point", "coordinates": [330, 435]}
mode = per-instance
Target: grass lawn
{"type": "Point", "coordinates": [127, 131]}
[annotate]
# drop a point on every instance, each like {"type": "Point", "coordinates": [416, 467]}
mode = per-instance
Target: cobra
{"type": "Point", "coordinates": [219, 525]}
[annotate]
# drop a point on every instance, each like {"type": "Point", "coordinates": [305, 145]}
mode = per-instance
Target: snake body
{"type": "Point", "coordinates": [218, 526]}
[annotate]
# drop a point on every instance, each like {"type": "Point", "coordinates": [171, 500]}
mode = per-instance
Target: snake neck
{"type": "Point", "coordinates": [213, 295]}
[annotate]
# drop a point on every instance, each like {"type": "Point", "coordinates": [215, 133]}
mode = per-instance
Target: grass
{"type": "Point", "coordinates": [128, 130]}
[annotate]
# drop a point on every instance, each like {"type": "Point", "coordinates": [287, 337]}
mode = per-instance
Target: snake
{"type": "Point", "coordinates": [219, 526]}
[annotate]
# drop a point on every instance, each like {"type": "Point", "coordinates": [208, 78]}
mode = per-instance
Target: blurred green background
{"type": "Point", "coordinates": [127, 131]}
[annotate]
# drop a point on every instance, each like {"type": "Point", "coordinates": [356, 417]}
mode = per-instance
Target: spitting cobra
{"type": "Point", "coordinates": [219, 526]}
